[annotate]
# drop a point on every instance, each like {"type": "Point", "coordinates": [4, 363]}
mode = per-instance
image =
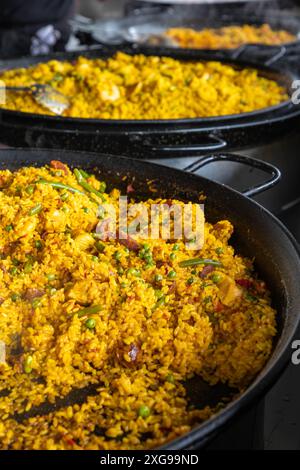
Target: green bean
{"type": "Point", "coordinates": [88, 187]}
{"type": "Point", "coordinates": [36, 209]}
{"type": "Point", "coordinates": [56, 184]}
{"type": "Point", "coordinates": [30, 189]}
{"type": "Point", "coordinates": [195, 261]}
{"type": "Point", "coordinates": [84, 174]}
{"type": "Point", "coordinates": [88, 310]}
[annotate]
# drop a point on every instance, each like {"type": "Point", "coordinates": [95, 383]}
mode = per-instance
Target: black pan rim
{"type": "Point", "coordinates": [265, 379]}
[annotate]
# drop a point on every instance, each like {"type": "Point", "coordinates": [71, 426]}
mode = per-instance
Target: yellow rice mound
{"type": "Point", "coordinates": [140, 87]}
{"type": "Point", "coordinates": [78, 312]}
{"type": "Point", "coordinates": [229, 37]}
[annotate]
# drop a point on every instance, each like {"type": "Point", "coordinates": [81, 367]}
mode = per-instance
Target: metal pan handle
{"type": "Point", "coordinates": [268, 168]}
{"type": "Point", "coordinates": [216, 144]}
{"type": "Point", "coordinates": [279, 52]}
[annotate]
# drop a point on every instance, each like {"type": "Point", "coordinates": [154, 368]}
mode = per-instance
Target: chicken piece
{"type": "Point", "coordinates": [111, 95]}
{"type": "Point", "coordinates": [229, 292]}
{"type": "Point", "coordinates": [55, 221]}
{"type": "Point", "coordinates": [25, 227]}
{"type": "Point", "coordinates": [84, 241]}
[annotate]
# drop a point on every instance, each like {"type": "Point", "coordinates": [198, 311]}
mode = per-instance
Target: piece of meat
{"type": "Point", "coordinates": [206, 271]}
{"type": "Point", "coordinates": [229, 292]}
{"type": "Point", "coordinates": [130, 189]}
{"type": "Point", "coordinates": [129, 242]}
{"type": "Point", "coordinates": [246, 283]}
{"type": "Point", "coordinates": [128, 356]}
{"type": "Point", "coordinates": [57, 165]}
{"type": "Point", "coordinates": [33, 293]}
{"type": "Point", "coordinates": [172, 288]}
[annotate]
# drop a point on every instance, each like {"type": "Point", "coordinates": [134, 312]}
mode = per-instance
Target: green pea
{"type": "Point", "coordinates": [36, 303]}
{"type": "Point", "coordinates": [176, 247]}
{"type": "Point", "coordinates": [30, 189]}
{"type": "Point", "coordinates": [120, 271]}
{"type": "Point", "coordinates": [144, 411]}
{"type": "Point", "coordinates": [86, 210]}
{"type": "Point", "coordinates": [173, 256]}
{"type": "Point", "coordinates": [95, 258]}
{"type": "Point", "coordinates": [194, 271]}
{"type": "Point", "coordinates": [51, 277]}
{"type": "Point", "coordinates": [27, 365]}
{"type": "Point", "coordinates": [219, 251]}
{"type": "Point", "coordinates": [172, 274]}
{"type": "Point", "coordinates": [90, 323]}
{"type": "Point", "coordinates": [158, 278]}
{"type": "Point", "coordinates": [190, 280]}
{"type": "Point", "coordinates": [146, 246]}
{"type": "Point", "coordinates": [13, 271]}
{"type": "Point", "coordinates": [216, 278]}
{"type": "Point", "coordinates": [38, 244]}
{"type": "Point", "coordinates": [9, 228]}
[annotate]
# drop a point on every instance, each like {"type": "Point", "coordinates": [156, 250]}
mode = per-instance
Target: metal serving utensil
{"type": "Point", "coordinates": [46, 96]}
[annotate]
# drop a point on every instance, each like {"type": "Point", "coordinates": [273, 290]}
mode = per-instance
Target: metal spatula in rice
{"type": "Point", "coordinates": [46, 96]}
